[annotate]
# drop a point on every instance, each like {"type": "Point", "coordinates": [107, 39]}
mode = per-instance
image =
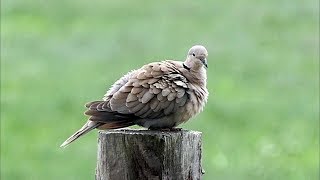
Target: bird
{"type": "Point", "coordinates": [159, 95]}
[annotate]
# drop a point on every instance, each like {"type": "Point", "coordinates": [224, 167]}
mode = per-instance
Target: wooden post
{"type": "Point", "coordinates": [144, 154]}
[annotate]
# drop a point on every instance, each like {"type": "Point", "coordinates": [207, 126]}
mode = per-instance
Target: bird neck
{"type": "Point", "coordinates": [196, 74]}
{"type": "Point", "coordinates": [193, 64]}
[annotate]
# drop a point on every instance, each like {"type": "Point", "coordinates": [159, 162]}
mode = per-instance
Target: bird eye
{"type": "Point", "coordinates": [193, 54]}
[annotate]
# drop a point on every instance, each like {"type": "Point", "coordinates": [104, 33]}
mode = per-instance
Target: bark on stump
{"type": "Point", "coordinates": [128, 154]}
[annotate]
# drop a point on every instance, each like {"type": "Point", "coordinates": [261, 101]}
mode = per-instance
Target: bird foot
{"type": "Point", "coordinates": [165, 129]}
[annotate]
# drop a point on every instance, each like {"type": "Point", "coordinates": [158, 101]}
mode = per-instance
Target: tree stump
{"type": "Point", "coordinates": [129, 154]}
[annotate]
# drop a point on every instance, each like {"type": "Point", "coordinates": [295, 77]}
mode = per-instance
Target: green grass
{"type": "Point", "coordinates": [262, 117]}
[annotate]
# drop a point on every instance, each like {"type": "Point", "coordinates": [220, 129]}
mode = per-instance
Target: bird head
{"type": "Point", "coordinates": [197, 57]}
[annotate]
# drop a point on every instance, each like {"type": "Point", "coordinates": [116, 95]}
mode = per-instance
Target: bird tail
{"type": "Point", "coordinates": [84, 130]}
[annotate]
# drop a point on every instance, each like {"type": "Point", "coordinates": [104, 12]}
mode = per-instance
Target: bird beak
{"type": "Point", "coordinates": [205, 62]}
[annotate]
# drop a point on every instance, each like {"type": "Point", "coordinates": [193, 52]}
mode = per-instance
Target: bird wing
{"type": "Point", "coordinates": [151, 92]}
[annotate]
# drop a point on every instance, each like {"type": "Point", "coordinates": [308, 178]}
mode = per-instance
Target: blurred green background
{"type": "Point", "coordinates": [262, 117]}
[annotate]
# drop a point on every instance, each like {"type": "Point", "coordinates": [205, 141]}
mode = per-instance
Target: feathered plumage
{"type": "Point", "coordinates": [158, 95]}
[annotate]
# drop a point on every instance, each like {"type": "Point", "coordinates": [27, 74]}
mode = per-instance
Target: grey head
{"type": "Point", "coordinates": [197, 57]}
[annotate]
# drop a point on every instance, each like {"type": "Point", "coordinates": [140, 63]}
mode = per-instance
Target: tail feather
{"type": "Point", "coordinates": [84, 130]}
{"type": "Point", "coordinates": [101, 117]}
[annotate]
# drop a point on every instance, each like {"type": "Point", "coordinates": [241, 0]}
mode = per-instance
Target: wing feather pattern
{"type": "Point", "coordinates": [154, 91]}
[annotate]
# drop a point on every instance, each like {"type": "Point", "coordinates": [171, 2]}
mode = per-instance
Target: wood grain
{"type": "Point", "coordinates": [144, 154]}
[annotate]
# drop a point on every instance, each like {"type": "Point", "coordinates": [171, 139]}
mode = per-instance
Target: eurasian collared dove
{"type": "Point", "coordinates": [156, 96]}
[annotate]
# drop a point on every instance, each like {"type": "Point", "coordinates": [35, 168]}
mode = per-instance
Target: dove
{"type": "Point", "coordinates": [159, 95]}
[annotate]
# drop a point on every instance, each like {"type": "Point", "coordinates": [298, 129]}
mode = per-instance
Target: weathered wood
{"type": "Point", "coordinates": [144, 154]}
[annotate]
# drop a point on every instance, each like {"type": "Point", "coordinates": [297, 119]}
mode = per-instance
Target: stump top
{"type": "Point", "coordinates": [129, 131]}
